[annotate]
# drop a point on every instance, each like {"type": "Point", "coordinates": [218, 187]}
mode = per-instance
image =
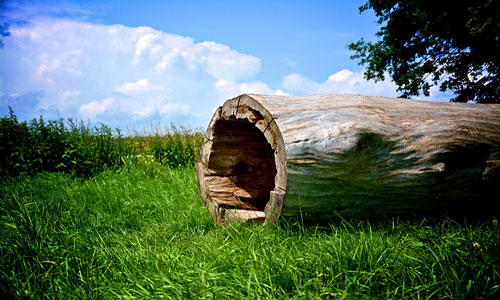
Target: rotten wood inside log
{"type": "Point", "coordinates": [241, 166]}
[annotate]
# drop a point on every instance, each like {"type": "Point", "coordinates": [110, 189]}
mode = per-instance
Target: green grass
{"type": "Point", "coordinates": [142, 232]}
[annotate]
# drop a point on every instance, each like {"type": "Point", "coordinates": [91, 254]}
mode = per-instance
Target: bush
{"type": "Point", "coordinates": [78, 149]}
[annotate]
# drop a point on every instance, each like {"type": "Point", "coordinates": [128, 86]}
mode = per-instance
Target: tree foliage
{"type": "Point", "coordinates": [453, 44]}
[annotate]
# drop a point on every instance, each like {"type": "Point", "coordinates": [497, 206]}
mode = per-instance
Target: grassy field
{"type": "Point", "coordinates": [88, 213]}
{"type": "Point", "coordinates": [141, 231]}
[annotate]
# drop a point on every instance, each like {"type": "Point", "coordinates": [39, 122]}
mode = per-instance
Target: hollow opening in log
{"type": "Point", "coordinates": [241, 166]}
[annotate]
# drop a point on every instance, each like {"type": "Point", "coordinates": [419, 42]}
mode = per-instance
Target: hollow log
{"type": "Point", "coordinates": [350, 155]}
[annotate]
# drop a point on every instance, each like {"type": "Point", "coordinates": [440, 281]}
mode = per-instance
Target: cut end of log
{"type": "Point", "coordinates": [241, 173]}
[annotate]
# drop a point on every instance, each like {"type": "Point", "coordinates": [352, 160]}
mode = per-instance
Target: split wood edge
{"type": "Point", "coordinates": [247, 109]}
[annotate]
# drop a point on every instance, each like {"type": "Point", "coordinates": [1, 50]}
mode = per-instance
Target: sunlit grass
{"type": "Point", "coordinates": [142, 232]}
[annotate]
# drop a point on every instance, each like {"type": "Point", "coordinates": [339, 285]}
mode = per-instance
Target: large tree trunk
{"type": "Point", "coordinates": [349, 155]}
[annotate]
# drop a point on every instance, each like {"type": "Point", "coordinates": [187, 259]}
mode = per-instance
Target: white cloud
{"type": "Point", "coordinates": [167, 60]}
{"type": "Point", "coordinates": [141, 86]}
{"type": "Point", "coordinates": [95, 108]}
{"type": "Point", "coordinates": [147, 42]}
{"type": "Point", "coordinates": [115, 73]}
{"type": "Point", "coordinates": [217, 60]}
{"type": "Point", "coordinates": [224, 63]}
{"type": "Point", "coordinates": [348, 82]}
{"type": "Point", "coordinates": [344, 81]}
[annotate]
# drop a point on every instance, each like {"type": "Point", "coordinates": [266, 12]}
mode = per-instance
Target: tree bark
{"type": "Point", "coordinates": [350, 155]}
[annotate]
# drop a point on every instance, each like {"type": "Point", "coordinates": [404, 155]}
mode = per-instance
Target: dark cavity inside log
{"type": "Point", "coordinates": [241, 166]}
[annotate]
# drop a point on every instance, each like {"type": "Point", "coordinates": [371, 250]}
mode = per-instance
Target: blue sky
{"type": "Point", "coordinates": [127, 63]}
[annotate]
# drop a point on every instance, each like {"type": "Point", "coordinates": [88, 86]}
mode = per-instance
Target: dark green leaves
{"type": "Point", "coordinates": [452, 44]}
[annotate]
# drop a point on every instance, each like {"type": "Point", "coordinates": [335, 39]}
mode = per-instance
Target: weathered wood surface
{"type": "Point", "coordinates": [351, 155]}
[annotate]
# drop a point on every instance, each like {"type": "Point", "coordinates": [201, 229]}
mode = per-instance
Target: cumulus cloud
{"type": "Point", "coordinates": [95, 108]}
{"type": "Point", "coordinates": [349, 82]}
{"type": "Point", "coordinates": [115, 73]}
{"type": "Point", "coordinates": [141, 86]}
{"type": "Point", "coordinates": [344, 81]}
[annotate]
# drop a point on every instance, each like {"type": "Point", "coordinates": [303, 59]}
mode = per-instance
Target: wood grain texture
{"type": "Point", "coordinates": [349, 155]}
